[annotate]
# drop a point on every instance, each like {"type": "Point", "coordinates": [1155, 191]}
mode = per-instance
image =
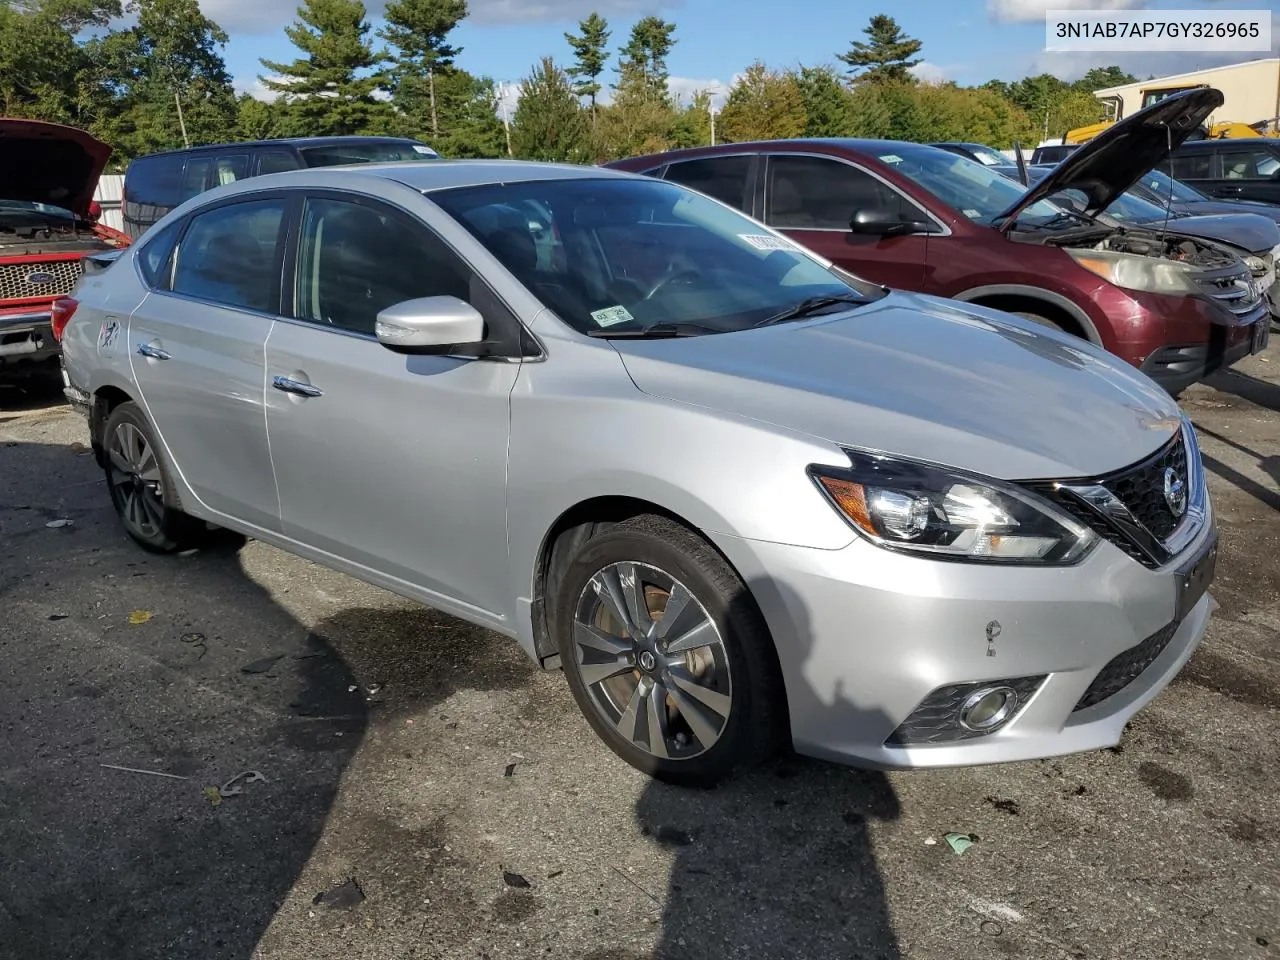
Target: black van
{"type": "Point", "coordinates": [155, 184]}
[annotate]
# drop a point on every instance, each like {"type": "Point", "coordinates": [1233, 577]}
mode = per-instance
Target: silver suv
{"type": "Point", "coordinates": [739, 496]}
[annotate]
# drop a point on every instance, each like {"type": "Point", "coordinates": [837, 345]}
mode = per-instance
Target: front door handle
{"type": "Point", "coordinates": [290, 385]}
{"type": "Point", "coordinates": [152, 352]}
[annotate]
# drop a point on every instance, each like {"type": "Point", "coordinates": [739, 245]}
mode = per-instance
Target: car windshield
{"type": "Point", "coordinates": [26, 210]}
{"type": "Point", "coordinates": [619, 256]}
{"type": "Point", "coordinates": [1162, 185]}
{"type": "Point", "coordinates": [976, 191]}
{"type": "Point", "coordinates": [987, 156]}
{"type": "Point", "coordinates": [334, 154]}
{"type": "Point", "coordinates": [1127, 208]}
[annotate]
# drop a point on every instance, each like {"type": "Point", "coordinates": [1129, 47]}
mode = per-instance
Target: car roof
{"type": "Point", "coordinates": [1228, 142]}
{"type": "Point", "coordinates": [282, 141]}
{"type": "Point", "coordinates": [781, 146]}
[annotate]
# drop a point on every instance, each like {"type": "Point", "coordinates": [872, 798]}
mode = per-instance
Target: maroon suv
{"type": "Point", "coordinates": [919, 218]}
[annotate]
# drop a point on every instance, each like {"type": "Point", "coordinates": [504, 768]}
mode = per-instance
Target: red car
{"type": "Point", "coordinates": [916, 217]}
{"type": "Point", "coordinates": [48, 224]}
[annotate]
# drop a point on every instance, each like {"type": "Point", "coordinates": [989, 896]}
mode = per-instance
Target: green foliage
{"type": "Point", "coordinates": [692, 124]}
{"type": "Point", "coordinates": [643, 61]}
{"type": "Point", "coordinates": [763, 105]}
{"type": "Point", "coordinates": [549, 122]}
{"type": "Point", "coordinates": [469, 124]}
{"type": "Point", "coordinates": [330, 90]}
{"type": "Point", "coordinates": [828, 106]}
{"type": "Point", "coordinates": [886, 56]}
{"type": "Point", "coordinates": [419, 30]}
{"type": "Point", "coordinates": [590, 56]}
{"type": "Point", "coordinates": [1100, 78]}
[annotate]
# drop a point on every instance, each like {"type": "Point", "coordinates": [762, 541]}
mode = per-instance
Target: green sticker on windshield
{"type": "Point", "coordinates": [611, 316]}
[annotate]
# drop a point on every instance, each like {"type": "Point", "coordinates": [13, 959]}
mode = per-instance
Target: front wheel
{"type": "Point", "coordinates": [667, 654]}
{"type": "Point", "coordinates": [140, 487]}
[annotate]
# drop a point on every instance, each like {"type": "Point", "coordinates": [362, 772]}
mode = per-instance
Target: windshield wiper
{"type": "Point", "coordinates": [659, 331]}
{"type": "Point", "coordinates": [808, 307]}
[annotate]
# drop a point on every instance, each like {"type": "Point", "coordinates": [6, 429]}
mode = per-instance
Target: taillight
{"type": "Point", "coordinates": [63, 308]}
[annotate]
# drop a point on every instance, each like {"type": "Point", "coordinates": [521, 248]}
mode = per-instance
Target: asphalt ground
{"type": "Point", "coordinates": [479, 817]}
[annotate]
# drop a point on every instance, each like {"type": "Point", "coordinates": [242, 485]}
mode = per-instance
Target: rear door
{"type": "Point", "coordinates": [1247, 170]}
{"type": "Point", "coordinates": [196, 344]}
{"type": "Point", "coordinates": [730, 178]}
{"type": "Point", "coordinates": [812, 199]}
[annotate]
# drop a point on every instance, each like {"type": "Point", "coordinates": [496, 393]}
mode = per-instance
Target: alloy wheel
{"type": "Point", "coordinates": [134, 474]}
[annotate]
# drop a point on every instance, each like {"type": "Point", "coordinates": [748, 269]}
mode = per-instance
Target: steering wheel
{"type": "Point", "coordinates": [670, 277]}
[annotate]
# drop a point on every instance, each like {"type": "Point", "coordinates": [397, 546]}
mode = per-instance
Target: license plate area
{"type": "Point", "coordinates": [1194, 577]}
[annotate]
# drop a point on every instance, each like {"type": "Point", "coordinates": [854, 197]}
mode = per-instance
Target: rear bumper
{"type": "Point", "coordinates": [26, 337]}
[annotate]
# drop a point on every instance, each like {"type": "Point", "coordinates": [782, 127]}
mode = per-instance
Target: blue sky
{"type": "Point", "coordinates": [968, 41]}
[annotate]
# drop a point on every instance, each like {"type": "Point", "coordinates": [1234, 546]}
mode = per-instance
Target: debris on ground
{"type": "Point", "coordinates": [553, 874]}
{"type": "Point", "coordinates": [342, 897]}
{"type": "Point", "coordinates": [197, 642]}
{"type": "Point", "coordinates": [515, 880]}
{"type": "Point", "coordinates": [139, 616]}
{"type": "Point", "coordinates": [1004, 806]}
{"type": "Point", "coordinates": [511, 769]}
{"type": "Point", "coordinates": [213, 795]}
{"type": "Point", "coordinates": [930, 841]}
{"type": "Point", "coordinates": [991, 928]}
{"type": "Point", "coordinates": [960, 842]}
{"type": "Point", "coordinates": [58, 524]}
{"type": "Point", "coordinates": [150, 773]}
{"type": "Point", "coordinates": [59, 616]}
{"type": "Point", "coordinates": [235, 786]}
{"type": "Point", "coordinates": [263, 665]}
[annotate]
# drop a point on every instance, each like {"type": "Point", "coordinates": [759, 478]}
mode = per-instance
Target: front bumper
{"type": "Point", "coordinates": [865, 635]}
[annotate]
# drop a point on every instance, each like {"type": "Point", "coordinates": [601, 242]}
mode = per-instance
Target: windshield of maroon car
{"type": "Point", "coordinates": [971, 188]}
{"type": "Point", "coordinates": [631, 253]}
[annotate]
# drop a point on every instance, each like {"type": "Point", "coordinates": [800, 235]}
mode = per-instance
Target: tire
{"type": "Point", "coordinates": [140, 484]}
{"type": "Point", "coordinates": [1043, 321]}
{"type": "Point", "coordinates": [694, 715]}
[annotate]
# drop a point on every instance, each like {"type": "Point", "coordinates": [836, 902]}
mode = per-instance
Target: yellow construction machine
{"type": "Point", "coordinates": [1231, 130]}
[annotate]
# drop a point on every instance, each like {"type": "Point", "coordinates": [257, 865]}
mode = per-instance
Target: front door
{"type": "Point", "coordinates": [395, 463]}
{"type": "Point", "coordinates": [196, 345]}
{"type": "Point", "coordinates": [812, 199]}
{"type": "Point", "coordinates": [1247, 172]}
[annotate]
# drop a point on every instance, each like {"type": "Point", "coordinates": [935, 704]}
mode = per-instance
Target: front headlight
{"type": "Point", "coordinates": [905, 505]}
{"type": "Point", "coordinates": [1135, 272]}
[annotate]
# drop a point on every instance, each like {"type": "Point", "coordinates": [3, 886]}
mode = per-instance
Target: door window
{"type": "Point", "coordinates": [1190, 166]}
{"type": "Point", "coordinates": [154, 181]}
{"type": "Point", "coordinates": [1248, 164]}
{"type": "Point", "coordinates": [229, 169]}
{"type": "Point", "coordinates": [357, 259]}
{"type": "Point", "coordinates": [724, 178]}
{"type": "Point", "coordinates": [154, 259]}
{"type": "Point", "coordinates": [817, 193]}
{"type": "Point", "coordinates": [228, 255]}
{"type": "Point", "coordinates": [276, 161]}
{"type": "Point", "coordinates": [195, 177]}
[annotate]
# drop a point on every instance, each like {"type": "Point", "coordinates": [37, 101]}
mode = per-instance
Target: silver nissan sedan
{"type": "Point", "coordinates": [740, 497]}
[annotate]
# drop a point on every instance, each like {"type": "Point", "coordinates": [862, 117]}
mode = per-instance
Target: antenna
{"type": "Point", "coordinates": [1168, 205]}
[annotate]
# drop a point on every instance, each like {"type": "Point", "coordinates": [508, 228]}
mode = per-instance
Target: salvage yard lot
{"type": "Point", "coordinates": [463, 792]}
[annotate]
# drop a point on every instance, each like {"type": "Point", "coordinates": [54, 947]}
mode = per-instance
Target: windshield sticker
{"type": "Point", "coordinates": [973, 214]}
{"type": "Point", "coordinates": [762, 241]}
{"type": "Point", "coordinates": [418, 148]}
{"type": "Point", "coordinates": [611, 316]}
{"type": "Point", "coordinates": [891, 158]}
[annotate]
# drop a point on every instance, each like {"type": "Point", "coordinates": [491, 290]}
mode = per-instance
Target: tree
{"type": "Point", "coordinates": [39, 59]}
{"type": "Point", "coordinates": [1054, 106]}
{"type": "Point", "coordinates": [331, 89]}
{"type": "Point", "coordinates": [644, 59]}
{"type": "Point", "coordinates": [419, 30]}
{"type": "Point", "coordinates": [885, 55]}
{"type": "Point", "coordinates": [589, 57]}
{"type": "Point", "coordinates": [763, 105]}
{"type": "Point", "coordinates": [1100, 78]}
{"type": "Point", "coordinates": [828, 108]}
{"type": "Point", "coordinates": [257, 120]}
{"type": "Point", "coordinates": [692, 127]}
{"type": "Point", "coordinates": [469, 124]}
{"type": "Point", "coordinates": [548, 122]}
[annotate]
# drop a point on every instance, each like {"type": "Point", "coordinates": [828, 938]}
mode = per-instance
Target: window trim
{"type": "Point", "coordinates": [944, 230]}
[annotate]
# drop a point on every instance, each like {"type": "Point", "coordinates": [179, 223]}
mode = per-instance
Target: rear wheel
{"type": "Point", "coordinates": [141, 491]}
{"type": "Point", "coordinates": [1043, 321]}
{"type": "Point", "coordinates": [666, 653]}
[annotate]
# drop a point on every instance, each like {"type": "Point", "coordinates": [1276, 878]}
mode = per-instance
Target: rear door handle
{"type": "Point", "coordinates": [153, 352]}
{"type": "Point", "coordinates": [290, 385]}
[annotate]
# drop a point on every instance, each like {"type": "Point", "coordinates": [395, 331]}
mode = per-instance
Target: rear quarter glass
{"type": "Point", "coordinates": [154, 181]}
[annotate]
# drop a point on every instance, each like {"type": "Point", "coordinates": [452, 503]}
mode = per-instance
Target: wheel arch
{"type": "Point", "coordinates": [1012, 298]}
{"type": "Point", "coordinates": [105, 399]}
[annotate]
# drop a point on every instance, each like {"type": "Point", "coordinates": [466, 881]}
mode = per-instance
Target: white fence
{"type": "Point", "coordinates": [110, 195]}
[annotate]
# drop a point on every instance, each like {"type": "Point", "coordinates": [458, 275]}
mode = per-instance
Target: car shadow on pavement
{"type": "Point", "coordinates": [189, 675]}
{"type": "Point", "coordinates": [1268, 463]}
{"type": "Point", "coordinates": [23, 390]}
{"type": "Point", "coordinates": [1241, 385]}
{"type": "Point", "coordinates": [779, 862]}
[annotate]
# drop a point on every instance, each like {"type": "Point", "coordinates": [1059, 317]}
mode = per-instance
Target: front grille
{"type": "Point", "coordinates": [16, 284]}
{"type": "Point", "coordinates": [1237, 291]}
{"type": "Point", "coordinates": [1126, 667]}
{"type": "Point", "coordinates": [1141, 489]}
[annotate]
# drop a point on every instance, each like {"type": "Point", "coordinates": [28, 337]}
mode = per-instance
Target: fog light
{"type": "Point", "coordinates": [988, 709]}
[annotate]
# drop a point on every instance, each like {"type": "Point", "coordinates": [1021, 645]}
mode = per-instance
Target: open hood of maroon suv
{"type": "Point", "coordinates": [49, 163]}
{"type": "Point", "coordinates": [1114, 161]}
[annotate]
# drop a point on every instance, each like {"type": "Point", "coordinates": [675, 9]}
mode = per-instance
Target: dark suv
{"type": "Point", "coordinates": [915, 217]}
{"type": "Point", "coordinates": [155, 184]}
{"type": "Point", "coordinates": [1243, 169]}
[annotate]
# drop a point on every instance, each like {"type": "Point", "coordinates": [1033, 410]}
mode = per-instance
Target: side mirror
{"type": "Point", "coordinates": [884, 223]}
{"type": "Point", "coordinates": [429, 325]}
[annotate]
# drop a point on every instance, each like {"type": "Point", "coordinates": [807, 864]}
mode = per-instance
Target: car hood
{"type": "Point", "coordinates": [1245, 230]}
{"type": "Point", "coordinates": [1114, 161]}
{"type": "Point", "coordinates": [1212, 207]}
{"type": "Point", "coordinates": [926, 378]}
{"type": "Point", "coordinates": [49, 163]}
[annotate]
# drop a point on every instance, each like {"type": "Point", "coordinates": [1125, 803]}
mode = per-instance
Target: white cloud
{"type": "Point", "coordinates": [255, 88]}
{"type": "Point", "coordinates": [508, 97]}
{"type": "Point", "coordinates": [927, 72]}
{"type": "Point", "coordinates": [1027, 11]}
{"type": "Point", "coordinates": [683, 89]}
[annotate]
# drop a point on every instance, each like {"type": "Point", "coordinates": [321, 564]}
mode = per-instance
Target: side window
{"type": "Point", "coordinates": [1248, 164]}
{"type": "Point", "coordinates": [355, 260]}
{"type": "Point", "coordinates": [724, 178]}
{"type": "Point", "coordinates": [229, 168]}
{"type": "Point", "coordinates": [1191, 166]}
{"type": "Point", "coordinates": [228, 255]}
{"type": "Point", "coordinates": [195, 177]}
{"type": "Point", "coordinates": [276, 161]}
{"type": "Point", "coordinates": [155, 258]}
{"type": "Point", "coordinates": [818, 193]}
{"type": "Point", "coordinates": [155, 181]}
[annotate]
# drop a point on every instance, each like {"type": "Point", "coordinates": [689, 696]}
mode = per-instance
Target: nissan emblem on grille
{"type": "Point", "coordinates": [40, 278]}
{"type": "Point", "coordinates": [1175, 492]}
